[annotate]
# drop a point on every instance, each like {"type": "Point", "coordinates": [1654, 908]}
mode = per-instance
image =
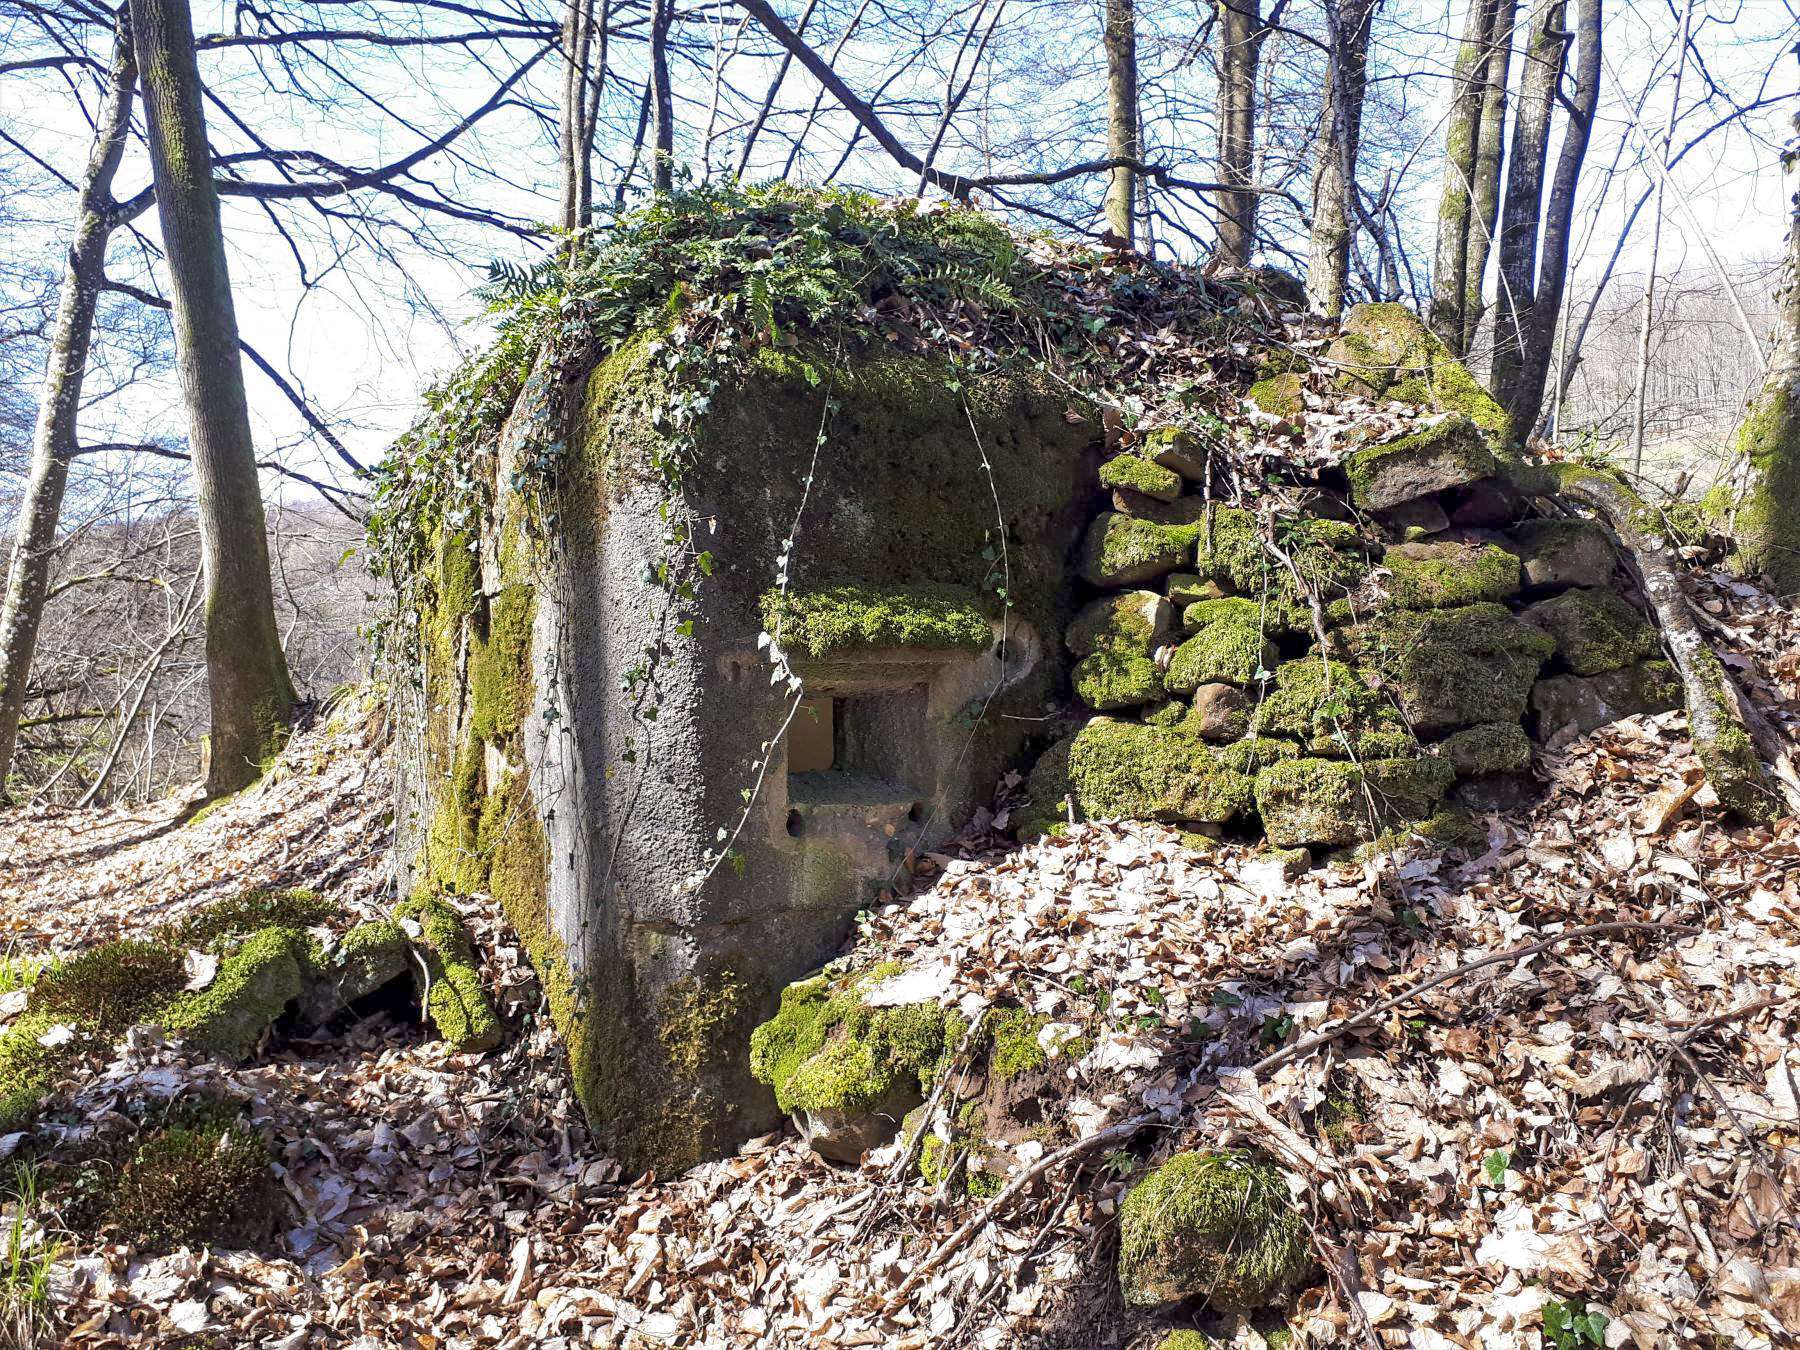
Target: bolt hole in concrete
{"type": "Point", "coordinates": [796, 824]}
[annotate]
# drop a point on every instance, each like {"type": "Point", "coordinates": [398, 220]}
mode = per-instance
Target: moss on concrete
{"type": "Point", "coordinates": [500, 687]}
{"type": "Point", "coordinates": [852, 617]}
{"type": "Point", "coordinates": [1446, 575]}
{"type": "Point", "coordinates": [1595, 630]}
{"type": "Point", "coordinates": [1768, 525]}
{"type": "Point", "coordinates": [1330, 709]}
{"type": "Point", "coordinates": [1215, 1226]}
{"type": "Point", "coordinates": [1141, 475]}
{"type": "Point", "coordinates": [456, 1002]}
{"type": "Point", "coordinates": [1110, 680]}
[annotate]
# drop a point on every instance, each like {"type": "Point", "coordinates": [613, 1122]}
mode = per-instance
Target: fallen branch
{"type": "Point", "coordinates": [1367, 1015]}
{"type": "Point", "coordinates": [1724, 741]}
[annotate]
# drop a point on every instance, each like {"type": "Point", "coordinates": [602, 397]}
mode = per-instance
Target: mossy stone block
{"type": "Point", "coordinates": [1572, 705]}
{"type": "Point", "coordinates": [457, 1003]}
{"type": "Point", "coordinates": [1237, 608]}
{"type": "Point", "coordinates": [1595, 629]}
{"type": "Point", "coordinates": [1132, 771]}
{"type": "Point", "coordinates": [1176, 449]}
{"type": "Point", "coordinates": [1330, 555]}
{"type": "Point", "coordinates": [1253, 753]}
{"type": "Point", "coordinates": [1330, 708]}
{"type": "Point", "coordinates": [1109, 680]}
{"type": "Point", "coordinates": [1451, 668]}
{"type": "Point", "coordinates": [1560, 553]}
{"type": "Point", "coordinates": [1494, 747]}
{"type": "Point", "coordinates": [1187, 588]}
{"type": "Point", "coordinates": [1282, 397]}
{"type": "Point", "coordinates": [829, 620]}
{"type": "Point", "coordinates": [1132, 621]}
{"type": "Point", "coordinates": [1121, 551]}
{"type": "Point", "coordinates": [1328, 802]}
{"type": "Point", "coordinates": [1168, 713]}
{"type": "Point", "coordinates": [1443, 575]}
{"type": "Point", "coordinates": [1220, 1227]}
{"type": "Point", "coordinates": [1386, 352]}
{"type": "Point", "coordinates": [1225, 651]}
{"type": "Point", "coordinates": [253, 987]}
{"type": "Point", "coordinates": [1448, 454]}
{"type": "Point", "coordinates": [1141, 475]}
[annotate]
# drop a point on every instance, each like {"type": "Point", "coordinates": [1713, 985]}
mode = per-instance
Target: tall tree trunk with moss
{"type": "Point", "coordinates": [1334, 170]}
{"type": "Point", "coordinates": [662, 99]}
{"type": "Point", "coordinates": [53, 441]}
{"type": "Point", "coordinates": [1490, 151]}
{"type": "Point", "coordinates": [1768, 526]}
{"type": "Point", "coordinates": [251, 695]}
{"type": "Point", "coordinates": [1450, 266]}
{"type": "Point", "coordinates": [1119, 37]}
{"type": "Point", "coordinates": [1240, 43]}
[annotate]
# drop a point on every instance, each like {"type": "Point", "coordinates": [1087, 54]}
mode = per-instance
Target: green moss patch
{"type": "Point", "coordinates": [108, 989]}
{"type": "Point", "coordinates": [1595, 629]}
{"type": "Point", "coordinates": [854, 617]}
{"type": "Point", "coordinates": [458, 1005]}
{"type": "Point", "coordinates": [1451, 668]}
{"type": "Point", "coordinates": [249, 911]}
{"type": "Point", "coordinates": [1132, 621]}
{"type": "Point", "coordinates": [1215, 1226]}
{"type": "Point", "coordinates": [1330, 709]}
{"type": "Point", "coordinates": [1386, 352]}
{"type": "Point", "coordinates": [1120, 550]}
{"type": "Point", "coordinates": [184, 1187]}
{"type": "Point", "coordinates": [1281, 396]}
{"type": "Point", "coordinates": [1253, 752]}
{"type": "Point", "coordinates": [1330, 555]}
{"type": "Point", "coordinates": [1109, 680]}
{"type": "Point", "coordinates": [253, 987]}
{"type": "Point", "coordinates": [1328, 802]}
{"type": "Point", "coordinates": [1445, 575]}
{"type": "Point", "coordinates": [1229, 650]}
{"type": "Point", "coordinates": [1141, 475]}
{"type": "Point", "coordinates": [825, 1050]}
{"type": "Point", "coordinates": [1012, 1040]}
{"type": "Point", "coordinates": [1127, 770]}
{"type": "Point", "coordinates": [1495, 747]}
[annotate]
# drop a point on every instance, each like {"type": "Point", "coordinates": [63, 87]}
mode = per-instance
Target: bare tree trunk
{"type": "Point", "coordinates": [584, 70]}
{"type": "Point", "coordinates": [1490, 150]}
{"type": "Point", "coordinates": [1450, 266]}
{"type": "Point", "coordinates": [1122, 140]}
{"type": "Point", "coordinates": [662, 103]}
{"type": "Point", "coordinates": [1334, 173]}
{"type": "Point", "coordinates": [1240, 46]}
{"type": "Point", "coordinates": [1768, 526]}
{"type": "Point", "coordinates": [1521, 394]}
{"type": "Point", "coordinates": [251, 695]}
{"type": "Point", "coordinates": [53, 442]}
{"type": "Point", "coordinates": [1544, 53]}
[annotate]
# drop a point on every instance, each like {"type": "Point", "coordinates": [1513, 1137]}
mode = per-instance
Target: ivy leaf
{"type": "Point", "coordinates": [705, 563]}
{"type": "Point", "coordinates": [1495, 1167]}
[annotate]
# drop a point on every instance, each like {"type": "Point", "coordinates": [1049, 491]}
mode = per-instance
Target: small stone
{"type": "Point", "coordinates": [1282, 399]}
{"type": "Point", "coordinates": [1220, 713]}
{"type": "Point", "coordinates": [1558, 554]}
{"type": "Point", "coordinates": [1134, 621]}
{"type": "Point", "coordinates": [1181, 511]}
{"type": "Point", "coordinates": [1135, 473]}
{"type": "Point", "coordinates": [1448, 454]}
{"type": "Point", "coordinates": [845, 1136]}
{"type": "Point", "coordinates": [1185, 589]}
{"type": "Point", "coordinates": [1568, 706]}
{"type": "Point", "coordinates": [1175, 449]}
{"type": "Point", "coordinates": [1596, 630]}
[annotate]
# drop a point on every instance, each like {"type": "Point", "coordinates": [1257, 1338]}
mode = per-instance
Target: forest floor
{"type": "Point", "coordinates": [1600, 1121]}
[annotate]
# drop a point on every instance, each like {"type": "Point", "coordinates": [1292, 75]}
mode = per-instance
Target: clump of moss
{"type": "Point", "coordinates": [253, 987]}
{"type": "Point", "coordinates": [1168, 713]}
{"type": "Point", "coordinates": [1012, 1037]}
{"type": "Point", "coordinates": [1253, 752]}
{"type": "Point", "coordinates": [1595, 629]}
{"type": "Point", "coordinates": [1442, 576]}
{"type": "Point", "coordinates": [1385, 351]}
{"type": "Point", "coordinates": [459, 1007]}
{"type": "Point", "coordinates": [1447, 454]}
{"type": "Point", "coordinates": [195, 1187]}
{"type": "Point", "coordinates": [1330, 555]}
{"type": "Point", "coordinates": [28, 1068]}
{"type": "Point", "coordinates": [1218, 1226]}
{"type": "Point", "coordinates": [1186, 1340]}
{"type": "Point", "coordinates": [825, 1050]}
{"type": "Point", "coordinates": [249, 911]}
{"type": "Point", "coordinates": [855, 617]}
{"type": "Point", "coordinates": [1226, 651]}
{"type": "Point", "coordinates": [1280, 396]}
{"type": "Point", "coordinates": [1215, 609]}
{"type": "Point", "coordinates": [1108, 680]}
{"type": "Point", "coordinates": [1132, 621]}
{"type": "Point", "coordinates": [1141, 475]}
{"type": "Point", "coordinates": [1120, 550]}
{"type": "Point", "coordinates": [1330, 709]}
{"type": "Point", "coordinates": [1493, 747]}
{"type": "Point", "coordinates": [111, 987]}
{"type": "Point", "coordinates": [1127, 770]}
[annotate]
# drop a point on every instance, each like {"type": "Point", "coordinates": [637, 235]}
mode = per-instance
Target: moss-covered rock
{"type": "Point", "coordinates": [1447, 454]}
{"type": "Point", "coordinates": [1559, 553]}
{"type": "Point", "coordinates": [1448, 574]}
{"type": "Point", "coordinates": [184, 1187]}
{"type": "Point", "coordinates": [1330, 709]}
{"type": "Point", "coordinates": [1327, 802]}
{"type": "Point", "coordinates": [1122, 551]}
{"type": "Point", "coordinates": [1109, 680]}
{"type": "Point", "coordinates": [1189, 588]}
{"type": "Point", "coordinates": [827, 620]}
{"type": "Point", "coordinates": [1168, 713]}
{"type": "Point", "coordinates": [1281, 396]}
{"type": "Point", "coordinates": [1127, 770]}
{"type": "Point", "coordinates": [1451, 668]}
{"type": "Point", "coordinates": [1131, 621]}
{"type": "Point", "coordinates": [1386, 352]}
{"type": "Point", "coordinates": [1176, 449]}
{"type": "Point", "coordinates": [253, 987]}
{"type": "Point", "coordinates": [458, 1005]}
{"type": "Point", "coordinates": [1230, 650]}
{"type": "Point", "coordinates": [1330, 555]}
{"type": "Point", "coordinates": [1215, 1226]}
{"type": "Point", "coordinates": [1237, 608]}
{"type": "Point", "coordinates": [1493, 747]}
{"type": "Point", "coordinates": [369, 956]}
{"type": "Point", "coordinates": [1596, 630]}
{"type": "Point", "coordinates": [1572, 705]}
{"type": "Point", "coordinates": [249, 911]}
{"type": "Point", "coordinates": [846, 1070]}
{"type": "Point", "coordinates": [1141, 475]}
{"type": "Point", "coordinates": [1254, 752]}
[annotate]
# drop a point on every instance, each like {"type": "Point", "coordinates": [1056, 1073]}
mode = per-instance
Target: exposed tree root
{"type": "Point", "coordinates": [1719, 717]}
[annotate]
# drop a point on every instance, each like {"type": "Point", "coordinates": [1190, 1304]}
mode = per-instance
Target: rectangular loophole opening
{"type": "Point", "coordinates": [864, 748]}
